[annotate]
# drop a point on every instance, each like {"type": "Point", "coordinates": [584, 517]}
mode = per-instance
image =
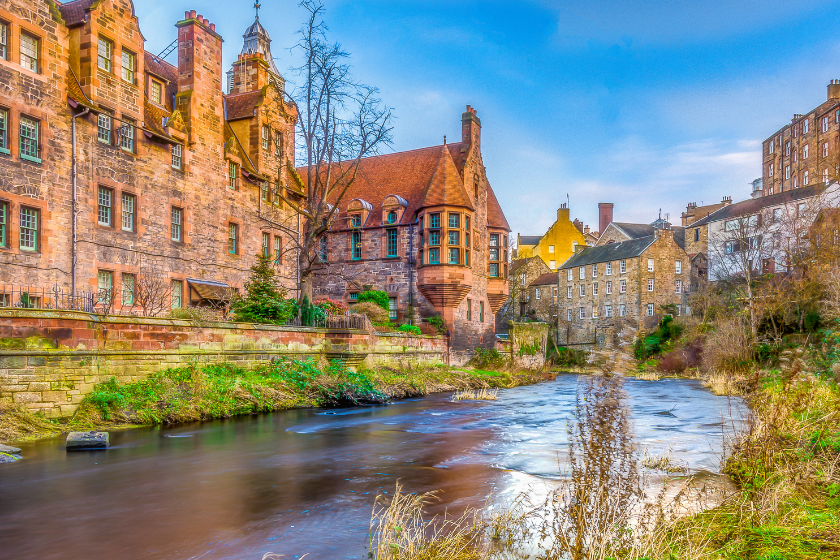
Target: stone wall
{"type": "Point", "coordinates": [528, 344]}
{"type": "Point", "coordinates": [49, 360]}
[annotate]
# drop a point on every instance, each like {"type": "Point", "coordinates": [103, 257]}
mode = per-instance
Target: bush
{"type": "Point", "coordinates": [488, 358]}
{"type": "Point", "coordinates": [331, 307]}
{"type": "Point", "coordinates": [378, 297]}
{"type": "Point", "coordinates": [197, 314]}
{"type": "Point", "coordinates": [264, 301]}
{"type": "Point", "coordinates": [569, 357]}
{"type": "Point", "coordinates": [657, 341]}
{"type": "Point", "coordinates": [375, 313]}
{"type": "Point", "coordinates": [437, 322]}
{"type": "Point", "coordinates": [409, 329]}
{"type": "Point", "coordinates": [729, 346]}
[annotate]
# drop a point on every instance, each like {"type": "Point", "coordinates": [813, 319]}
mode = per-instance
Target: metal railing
{"type": "Point", "coordinates": [346, 321]}
{"type": "Point", "coordinates": [27, 297]}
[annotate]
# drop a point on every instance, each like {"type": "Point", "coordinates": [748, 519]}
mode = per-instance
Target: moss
{"type": "Point", "coordinates": [12, 344]}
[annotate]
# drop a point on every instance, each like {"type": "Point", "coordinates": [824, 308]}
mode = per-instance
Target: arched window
{"type": "Point", "coordinates": [392, 217]}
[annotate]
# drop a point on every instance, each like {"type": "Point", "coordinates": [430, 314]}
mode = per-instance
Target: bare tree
{"type": "Point", "coordinates": [340, 121]}
{"type": "Point", "coordinates": [152, 288]}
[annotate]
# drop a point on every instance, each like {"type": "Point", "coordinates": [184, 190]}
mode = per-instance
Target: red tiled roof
{"type": "Point", "coordinates": [545, 279]}
{"type": "Point", "coordinates": [446, 186]}
{"type": "Point", "coordinates": [241, 105]}
{"type": "Point", "coordinates": [160, 67]}
{"type": "Point", "coordinates": [153, 114]}
{"type": "Point", "coordinates": [495, 216]}
{"type": "Point", "coordinates": [73, 13]}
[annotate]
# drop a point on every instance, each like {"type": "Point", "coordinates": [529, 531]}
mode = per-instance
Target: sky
{"type": "Point", "coordinates": [648, 104]}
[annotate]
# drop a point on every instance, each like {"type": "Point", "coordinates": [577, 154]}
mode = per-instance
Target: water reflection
{"type": "Point", "coordinates": [304, 481]}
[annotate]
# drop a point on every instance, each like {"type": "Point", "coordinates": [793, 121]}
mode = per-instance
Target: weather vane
{"type": "Point", "coordinates": [257, 8]}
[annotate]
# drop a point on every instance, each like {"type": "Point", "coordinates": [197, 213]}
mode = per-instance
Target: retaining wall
{"type": "Point", "coordinates": [49, 360]}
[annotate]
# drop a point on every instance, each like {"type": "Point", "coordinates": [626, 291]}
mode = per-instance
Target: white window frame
{"type": "Point", "coordinates": [569, 292]}
{"type": "Point", "coordinates": [582, 272]}
{"type": "Point", "coordinates": [622, 310]}
{"type": "Point", "coordinates": [570, 275]}
{"type": "Point", "coordinates": [804, 152]}
{"type": "Point", "coordinates": [582, 290]}
{"type": "Point", "coordinates": [650, 284]}
{"type": "Point", "coordinates": [678, 267]}
{"type": "Point", "coordinates": [650, 265]}
{"type": "Point", "coordinates": [678, 286]}
{"type": "Point", "coordinates": [594, 288]}
{"type": "Point", "coordinates": [609, 269]}
{"type": "Point", "coordinates": [622, 286]}
{"type": "Point", "coordinates": [569, 314]}
{"type": "Point", "coordinates": [537, 293]}
{"type": "Point", "coordinates": [609, 287]}
{"type": "Point", "coordinates": [622, 266]}
{"type": "Point", "coordinates": [608, 311]}
{"type": "Point", "coordinates": [551, 249]}
{"type": "Point", "coordinates": [650, 310]}
{"type": "Point", "coordinates": [594, 271]}
{"type": "Point", "coordinates": [583, 313]}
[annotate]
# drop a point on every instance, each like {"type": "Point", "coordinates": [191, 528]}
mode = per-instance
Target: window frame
{"type": "Point", "coordinates": [176, 211]}
{"type": "Point", "coordinates": [5, 115]}
{"type": "Point", "coordinates": [103, 62]}
{"type": "Point", "coordinates": [173, 283]}
{"type": "Point", "coordinates": [233, 175]}
{"type": "Point", "coordinates": [233, 238]}
{"type": "Point", "coordinates": [27, 57]}
{"type": "Point", "coordinates": [24, 139]}
{"type": "Point", "coordinates": [622, 267]}
{"type": "Point", "coordinates": [265, 137]}
{"type": "Point", "coordinates": [131, 71]}
{"type": "Point", "coordinates": [4, 40]}
{"type": "Point", "coordinates": [157, 100]}
{"type": "Point", "coordinates": [101, 119]}
{"type": "Point", "coordinates": [100, 206]}
{"type": "Point", "coordinates": [126, 196]}
{"type": "Point", "coordinates": [36, 230]}
{"type": "Point", "coordinates": [179, 157]}
{"type": "Point", "coordinates": [356, 245]}
{"type": "Point", "coordinates": [391, 242]}
{"type": "Point", "coordinates": [124, 280]}
{"type": "Point", "coordinates": [622, 286]}
{"type": "Point", "coordinates": [4, 224]}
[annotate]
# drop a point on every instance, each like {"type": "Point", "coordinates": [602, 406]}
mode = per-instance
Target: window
{"type": "Point", "coordinates": [278, 253]}
{"type": "Point", "coordinates": [469, 309]}
{"type": "Point", "coordinates": [494, 239]}
{"type": "Point", "coordinates": [128, 209]}
{"type": "Point", "coordinates": [177, 151]}
{"type": "Point", "coordinates": [552, 264]}
{"type": "Point", "coordinates": [4, 224]}
{"type": "Point", "coordinates": [805, 179]}
{"type": "Point", "coordinates": [622, 310]}
{"type": "Point", "coordinates": [777, 214]}
{"type": "Point", "coordinates": [569, 274]}
{"type": "Point", "coordinates": [787, 172]}
{"type": "Point", "coordinates": [29, 139]}
{"type": "Point", "coordinates": [805, 151]}
{"type": "Point", "coordinates": [609, 269]}
{"type": "Point", "coordinates": [129, 66]}
{"type": "Point", "coordinates": [103, 128]}
{"type": "Point", "coordinates": [455, 238]}
{"type": "Point", "coordinates": [537, 293]}
{"type": "Point", "coordinates": [264, 192]}
{"type": "Point", "coordinates": [770, 170]}
{"type": "Point", "coordinates": [127, 136]}
{"type": "Point", "coordinates": [595, 288]}
{"type": "Point", "coordinates": [569, 292]}
{"type": "Point", "coordinates": [582, 313]}
{"type": "Point", "coordinates": [434, 222]}
{"type": "Point", "coordinates": [609, 287]}
{"type": "Point", "coordinates": [696, 234]}
{"type": "Point", "coordinates": [554, 291]}
{"type": "Point", "coordinates": [574, 246]}
{"type": "Point", "coordinates": [392, 217]}
{"type": "Point", "coordinates": [28, 229]}
{"type": "Point", "coordinates": [569, 314]}
{"type": "Point", "coordinates": [481, 311]}
{"type": "Point", "coordinates": [608, 311]}
{"type": "Point", "coordinates": [678, 311]}
{"type": "Point", "coordinates": [4, 131]}
{"type": "Point", "coordinates": [650, 265]}
{"type": "Point", "coordinates": [454, 258]}
{"type": "Point", "coordinates": [356, 220]}
{"type": "Point", "coordinates": [805, 126]}
{"type": "Point", "coordinates": [105, 281]}
{"type": "Point", "coordinates": [356, 245]}
{"type": "Point", "coordinates": [354, 296]}
{"type": "Point", "coordinates": [232, 175]}
{"type": "Point", "coordinates": [730, 247]}
{"type": "Point", "coordinates": [800, 209]}
{"type": "Point", "coordinates": [156, 92]}
{"type": "Point", "coordinates": [582, 273]}
{"type": "Point", "coordinates": [4, 40]}
{"type": "Point", "coordinates": [266, 244]}
{"type": "Point", "coordinates": [688, 310]}
{"type": "Point", "coordinates": [494, 254]}
{"type": "Point", "coordinates": [104, 57]}
{"type": "Point", "coordinates": [104, 216]}
{"type": "Point", "coordinates": [467, 240]}
{"type": "Point", "coordinates": [825, 149]}
{"type": "Point", "coordinates": [434, 258]}
{"type": "Point", "coordinates": [582, 290]}
{"type": "Point", "coordinates": [176, 224]}
{"type": "Point", "coordinates": [679, 287]}
{"type": "Point", "coordinates": [731, 225]}
{"type": "Point", "coordinates": [233, 238]}
{"type": "Point", "coordinates": [678, 267]}
{"type": "Point", "coordinates": [650, 284]}
{"type": "Point", "coordinates": [622, 286]}
{"type": "Point", "coordinates": [467, 223]}
{"type": "Point", "coordinates": [825, 176]}
{"type": "Point", "coordinates": [551, 248]}
{"type": "Point", "coordinates": [622, 267]}
{"type": "Point", "coordinates": [455, 221]}
{"type": "Point", "coordinates": [770, 147]}
{"type": "Point", "coordinates": [434, 238]}
{"type": "Point", "coordinates": [594, 311]}
{"type": "Point", "coordinates": [29, 52]}
{"type": "Point", "coordinates": [176, 290]}
{"type": "Point", "coordinates": [128, 289]}
{"type": "Point", "coordinates": [391, 243]}
{"type": "Point", "coordinates": [278, 143]}
{"type": "Point", "coordinates": [278, 201]}
{"type": "Point", "coordinates": [825, 124]}
{"type": "Point", "coordinates": [266, 137]}
{"type": "Point", "coordinates": [650, 310]}
{"type": "Point", "coordinates": [787, 149]}
{"type": "Point", "coordinates": [594, 271]}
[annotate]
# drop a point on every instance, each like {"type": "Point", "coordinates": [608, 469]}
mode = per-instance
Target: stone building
{"type": "Point", "coordinates": [617, 232]}
{"type": "Point", "coordinates": [804, 152]}
{"type": "Point", "coordinates": [523, 272]}
{"type": "Point", "coordinates": [542, 299]}
{"type": "Point", "coordinates": [425, 227]}
{"type": "Point", "coordinates": [174, 182]}
{"type": "Point", "coordinates": [555, 245]}
{"type": "Point", "coordinates": [693, 212]}
{"type": "Point", "coordinates": [605, 287]}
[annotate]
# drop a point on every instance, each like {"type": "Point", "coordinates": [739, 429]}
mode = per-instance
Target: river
{"type": "Point", "coordinates": [304, 481]}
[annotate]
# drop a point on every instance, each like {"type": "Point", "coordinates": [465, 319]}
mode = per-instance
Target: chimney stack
{"type": "Point", "coordinates": [470, 130]}
{"type": "Point", "coordinates": [578, 225]}
{"type": "Point", "coordinates": [605, 215]}
{"type": "Point", "coordinates": [562, 213]}
{"type": "Point", "coordinates": [199, 71]}
{"type": "Point", "coordinates": [727, 200]}
{"type": "Point", "coordinates": [834, 90]}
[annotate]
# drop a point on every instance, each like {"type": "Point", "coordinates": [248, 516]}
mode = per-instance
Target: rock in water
{"type": "Point", "coordinates": [4, 458]}
{"type": "Point", "coordinates": [9, 449]}
{"type": "Point", "coordinates": [87, 440]}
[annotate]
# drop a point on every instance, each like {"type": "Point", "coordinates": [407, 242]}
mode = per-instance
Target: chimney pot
{"type": "Point", "coordinates": [212, 27]}
{"type": "Point", "coordinates": [192, 14]}
{"type": "Point", "coordinates": [834, 89]}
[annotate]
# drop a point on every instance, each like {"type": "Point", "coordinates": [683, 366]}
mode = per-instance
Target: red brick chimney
{"type": "Point", "coordinates": [605, 215]}
{"type": "Point", "coordinates": [199, 75]}
{"type": "Point", "coordinates": [470, 130]}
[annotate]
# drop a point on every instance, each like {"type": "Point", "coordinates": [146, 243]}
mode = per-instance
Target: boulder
{"type": "Point", "coordinates": [9, 449]}
{"type": "Point", "coordinates": [87, 440]}
{"type": "Point", "coordinates": [4, 458]}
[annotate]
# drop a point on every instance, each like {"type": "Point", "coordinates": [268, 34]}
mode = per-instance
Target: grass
{"type": "Point", "coordinates": [664, 462]}
{"type": "Point", "coordinates": [483, 394]}
{"type": "Point", "coordinates": [723, 383]}
{"type": "Point", "coordinates": [19, 424]}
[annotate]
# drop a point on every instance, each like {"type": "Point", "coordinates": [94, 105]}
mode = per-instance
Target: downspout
{"type": "Point", "coordinates": [74, 174]}
{"type": "Point", "coordinates": [411, 263]}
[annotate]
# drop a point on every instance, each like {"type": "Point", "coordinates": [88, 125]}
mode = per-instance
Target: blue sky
{"type": "Point", "coordinates": [647, 104]}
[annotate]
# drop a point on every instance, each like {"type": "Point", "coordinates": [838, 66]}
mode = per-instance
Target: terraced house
{"type": "Point", "coordinates": [425, 227]}
{"type": "Point", "coordinates": [121, 173]}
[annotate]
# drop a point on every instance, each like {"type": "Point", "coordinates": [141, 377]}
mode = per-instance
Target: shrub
{"type": "Point", "coordinates": [729, 346]}
{"type": "Point", "coordinates": [331, 307]}
{"type": "Point", "coordinates": [197, 314]}
{"type": "Point", "coordinates": [264, 301]}
{"type": "Point", "coordinates": [487, 358]}
{"type": "Point", "coordinates": [378, 297]}
{"type": "Point", "coordinates": [375, 313]}
{"type": "Point", "coordinates": [409, 329]}
{"type": "Point", "coordinates": [569, 357]}
{"type": "Point", "coordinates": [437, 322]}
{"type": "Point", "coordinates": [652, 345]}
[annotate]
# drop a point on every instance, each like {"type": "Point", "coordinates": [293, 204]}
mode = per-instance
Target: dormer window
{"type": "Point", "coordinates": [356, 220]}
{"type": "Point", "coordinates": [156, 92]}
{"type": "Point", "coordinates": [392, 217]}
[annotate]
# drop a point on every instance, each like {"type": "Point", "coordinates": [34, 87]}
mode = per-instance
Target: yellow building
{"type": "Point", "coordinates": [556, 245]}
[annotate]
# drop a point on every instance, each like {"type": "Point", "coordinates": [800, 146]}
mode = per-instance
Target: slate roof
{"type": "Point", "coordinates": [637, 231]}
{"type": "Point", "coordinates": [529, 239]}
{"type": "Point", "coordinates": [73, 13]}
{"type": "Point", "coordinates": [241, 105]}
{"type": "Point", "coordinates": [753, 205]}
{"type": "Point", "coordinates": [545, 279]}
{"type": "Point", "coordinates": [609, 252]}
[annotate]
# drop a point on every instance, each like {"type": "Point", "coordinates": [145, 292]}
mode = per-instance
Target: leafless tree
{"type": "Point", "coordinates": [152, 288]}
{"type": "Point", "coordinates": [340, 121]}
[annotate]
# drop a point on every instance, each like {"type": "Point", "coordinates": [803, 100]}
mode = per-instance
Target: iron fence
{"type": "Point", "coordinates": [55, 297]}
{"type": "Point", "coordinates": [346, 321]}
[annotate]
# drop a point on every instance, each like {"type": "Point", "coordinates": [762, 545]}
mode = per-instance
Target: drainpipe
{"type": "Point", "coordinates": [411, 263]}
{"type": "Point", "coordinates": [74, 174]}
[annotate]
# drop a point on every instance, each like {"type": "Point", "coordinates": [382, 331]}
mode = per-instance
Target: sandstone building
{"type": "Point", "coordinates": [425, 227]}
{"type": "Point", "coordinates": [804, 152]}
{"type": "Point", "coordinates": [629, 281]}
{"type": "Point", "coordinates": [173, 182]}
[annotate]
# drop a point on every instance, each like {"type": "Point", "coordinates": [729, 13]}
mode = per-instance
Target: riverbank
{"type": "Point", "coordinates": [206, 392]}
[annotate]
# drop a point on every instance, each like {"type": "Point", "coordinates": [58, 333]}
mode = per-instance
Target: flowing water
{"type": "Point", "coordinates": [304, 481]}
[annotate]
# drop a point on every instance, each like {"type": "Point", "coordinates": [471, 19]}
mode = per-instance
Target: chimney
{"type": "Point", "coordinates": [578, 225]}
{"type": "Point", "coordinates": [470, 130]}
{"type": "Point", "coordinates": [727, 200]}
{"type": "Point", "coordinates": [605, 215]}
{"type": "Point", "coordinates": [250, 73]}
{"type": "Point", "coordinates": [585, 230]}
{"type": "Point", "coordinates": [834, 90]}
{"type": "Point", "coordinates": [563, 213]}
{"type": "Point", "coordinates": [199, 72]}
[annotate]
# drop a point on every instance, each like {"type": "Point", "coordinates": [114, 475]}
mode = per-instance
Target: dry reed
{"type": "Point", "coordinates": [482, 394]}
